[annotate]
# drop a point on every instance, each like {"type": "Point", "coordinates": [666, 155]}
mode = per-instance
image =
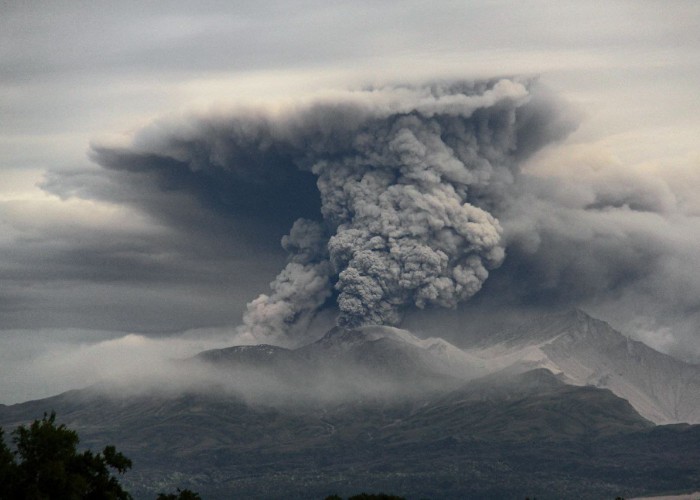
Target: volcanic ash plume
{"type": "Point", "coordinates": [404, 236]}
{"type": "Point", "coordinates": [404, 175]}
{"type": "Point", "coordinates": [302, 286]}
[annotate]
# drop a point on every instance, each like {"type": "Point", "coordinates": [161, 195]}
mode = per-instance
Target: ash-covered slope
{"type": "Point", "coordinates": [534, 405]}
{"type": "Point", "coordinates": [366, 346]}
{"type": "Point", "coordinates": [373, 361]}
{"type": "Point", "coordinates": [587, 351]}
{"type": "Point", "coordinates": [581, 350]}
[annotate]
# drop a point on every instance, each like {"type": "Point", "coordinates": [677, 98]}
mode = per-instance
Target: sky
{"type": "Point", "coordinates": [108, 251]}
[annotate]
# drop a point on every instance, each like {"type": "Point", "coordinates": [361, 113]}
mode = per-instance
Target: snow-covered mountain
{"type": "Point", "coordinates": [585, 351]}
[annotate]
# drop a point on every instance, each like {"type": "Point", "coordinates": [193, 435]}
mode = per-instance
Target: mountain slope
{"type": "Point", "coordinates": [587, 351]}
{"type": "Point", "coordinates": [580, 349]}
{"type": "Point", "coordinates": [498, 437]}
{"type": "Point", "coordinates": [378, 408]}
{"type": "Point", "coordinates": [532, 406]}
{"type": "Point", "coordinates": [383, 362]}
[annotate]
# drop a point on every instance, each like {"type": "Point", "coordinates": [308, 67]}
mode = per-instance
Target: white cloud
{"type": "Point", "coordinates": [41, 363]}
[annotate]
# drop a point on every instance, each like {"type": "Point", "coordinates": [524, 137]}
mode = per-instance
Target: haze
{"type": "Point", "coordinates": [98, 264]}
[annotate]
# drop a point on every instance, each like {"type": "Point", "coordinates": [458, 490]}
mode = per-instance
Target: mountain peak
{"type": "Point", "coordinates": [339, 337]}
{"type": "Point", "coordinates": [250, 354]}
{"type": "Point", "coordinates": [548, 327]}
{"type": "Point", "coordinates": [587, 351]}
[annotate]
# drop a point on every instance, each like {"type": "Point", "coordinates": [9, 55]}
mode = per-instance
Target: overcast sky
{"type": "Point", "coordinates": [87, 257]}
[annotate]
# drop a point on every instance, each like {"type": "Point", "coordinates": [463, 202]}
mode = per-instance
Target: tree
{"type": "Point", "coordinates": [181, 495]}
{"type": "Point", "coordinates": [375, 496]}
{"type": "Point", "coordinates": [367, 496]}
{"type": "Point", "coordinates": [7, 462]}
{"type": "Point", "coordinates": [50, 467]}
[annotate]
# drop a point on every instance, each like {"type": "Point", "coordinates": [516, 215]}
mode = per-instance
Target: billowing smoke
{"type": "Point", "coordinates": [299, 290]}
{"type": "Point", "coordinates": [409, 181]}
{"type": "Point", "coordinates": [408, 197]}
{"type": "Point", "coordinates": [397, 171]}
{"type": "Point", "coordinates": [405, 233]}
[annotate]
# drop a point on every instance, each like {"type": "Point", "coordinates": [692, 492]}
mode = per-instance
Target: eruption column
{"type": "Point", "coordinates": [397, 170]}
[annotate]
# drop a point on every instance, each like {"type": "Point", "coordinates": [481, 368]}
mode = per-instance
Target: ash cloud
{"type": "Point", "coordinates": [298, 290]}
{"type": "Point", "coordinates": [616, 239]}
{"type": "Point", "coordinates": [412, 197]}
{"type": "Point", "coordinates": [405, 179]}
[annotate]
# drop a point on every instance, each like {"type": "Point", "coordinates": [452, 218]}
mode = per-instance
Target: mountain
{"type": "Point", "coordinates": [496, 437]}
{"type": "Point", "coordinates": [581, 350]}
{"type": "Point", "coordinates": [373, 361]}
{"type": "Point", "coordinates": [379, 409]}
{"type": "Point", "coordinates": [586, 351]}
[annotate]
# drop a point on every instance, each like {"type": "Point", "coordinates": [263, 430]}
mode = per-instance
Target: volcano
{"type": "Point", "coordinates": [538, 410]}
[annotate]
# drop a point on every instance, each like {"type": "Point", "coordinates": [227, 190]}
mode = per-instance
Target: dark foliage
{"type": "Point", "coordinates": [368, 496]}
{"type": "Point", "coordinates": [378, 496]}
{"type": "Point", "coordinates": [7, 463]}
{"type": "Point", "coordinates": [46, 464]}
{"type": "Point", "coordinates": [180, 495]}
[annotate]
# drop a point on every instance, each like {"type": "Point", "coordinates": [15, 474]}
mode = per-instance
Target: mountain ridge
{"type": "Point", "coordinates": [378, 407]}
{"type": "Point", "coordinates": [588, 351]}
{"type": "Point", "coordinates": [504, 437]}
{"type": "Point", "coordinates": [581, 349]}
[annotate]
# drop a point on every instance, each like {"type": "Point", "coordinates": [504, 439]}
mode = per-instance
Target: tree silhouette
{"type": "Point", "coordinates": [180, 495]}
{"type": "Point", "coordinates": [46, 465]}
{"type": "Point", "coordinates": [367, 496]}
{"type": "Point", "coordinates": [7, 462]}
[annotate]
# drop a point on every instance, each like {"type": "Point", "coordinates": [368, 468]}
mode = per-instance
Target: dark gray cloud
{"type": "Point", "coordinates": [404, 196]}
{"type": "Point", "coordinates": [128, 280]}
{"type": "Point", "coordinates": [398, 179]}
{"type": "Point", "coordinates": [616, 239]}
{"type": "Point", "coordinates": [120, 254]}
